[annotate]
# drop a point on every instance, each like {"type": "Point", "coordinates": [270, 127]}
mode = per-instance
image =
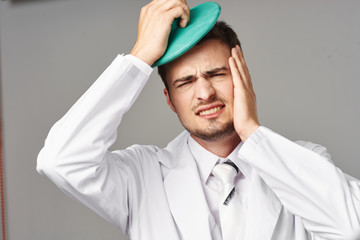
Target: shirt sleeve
{"type": "Point", "coordinates": [75, 155]}
{"type": "Point", "coordinates": [306, 182]}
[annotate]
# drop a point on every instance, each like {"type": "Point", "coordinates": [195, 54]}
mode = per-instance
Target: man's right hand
{"type": "Point", "coordinates": [155, 25]}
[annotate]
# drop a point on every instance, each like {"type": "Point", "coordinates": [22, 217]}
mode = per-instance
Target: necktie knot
{"type": "Point", "coordinates": [225, 172]}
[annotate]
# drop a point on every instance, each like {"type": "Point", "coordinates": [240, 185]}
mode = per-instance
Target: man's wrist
{"type": "Point", "coordinates": [245, 134]}
{"type": "Point", "coordinates": [147, 58]}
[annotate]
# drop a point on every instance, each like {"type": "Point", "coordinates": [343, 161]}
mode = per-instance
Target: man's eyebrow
{"type": "Point", "coordinates": [183, 79]}
{"type": "Point", "coordinates": [206, 73]}
{"type": "Point", "coordinates": [214, 70]}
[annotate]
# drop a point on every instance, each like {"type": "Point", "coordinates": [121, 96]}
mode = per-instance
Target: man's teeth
{"type": "Point", "coordinates": [210, 111]}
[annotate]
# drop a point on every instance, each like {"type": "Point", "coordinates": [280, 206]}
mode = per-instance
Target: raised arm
{"type": "Point", "coordinates": [76, 156]}
{"type": "Point", "coordinates": [301, 175]}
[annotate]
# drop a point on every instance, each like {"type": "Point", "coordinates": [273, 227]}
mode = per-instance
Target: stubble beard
{"type": "Point", "coordinates": [214, 132]}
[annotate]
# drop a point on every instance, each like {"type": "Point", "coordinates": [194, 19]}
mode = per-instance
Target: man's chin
{"type": "Point", "coordinates": [211, 134]}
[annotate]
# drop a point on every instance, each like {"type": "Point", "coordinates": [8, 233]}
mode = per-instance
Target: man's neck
{"type": "Point", "coordinates": [221, 148]}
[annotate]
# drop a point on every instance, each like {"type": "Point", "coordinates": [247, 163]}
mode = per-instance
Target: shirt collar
{"type": "Point", "coordinates": [206, 160]}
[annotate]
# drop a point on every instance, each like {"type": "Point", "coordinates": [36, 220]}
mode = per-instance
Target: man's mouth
{"type": "Point", "coordinates": [209, 111]}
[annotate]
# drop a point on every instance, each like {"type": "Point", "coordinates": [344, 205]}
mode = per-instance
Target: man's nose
{"type": "Point", "coordinates": [204, 89]}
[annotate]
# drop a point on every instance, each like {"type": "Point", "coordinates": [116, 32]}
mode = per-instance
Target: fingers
{"type": "Point", "coordinates": [245, 68]}
{"type": "Point", "coordinates": [178, 9]}
{"type": "Point", "coordinates": [185, 18]}
{"type": "Point", "coordinates": [173, 9]}
{"type": "Point", "coordinates": [235, 73]}
{"type": "Point", "coordinates": [182, 13]}
{"type": "Point", "coordinates": [154, 27]}
{"type": "Point", "coordinates": [241, 67]}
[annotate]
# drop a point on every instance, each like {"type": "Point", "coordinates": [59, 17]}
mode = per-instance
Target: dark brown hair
{"type": "Point", "coordinates": [221, 31]}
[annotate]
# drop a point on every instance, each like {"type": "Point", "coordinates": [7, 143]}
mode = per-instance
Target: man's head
{"type": "Point", "coordinates": [221, 31]}
{"type": "Point", "coordinates": [199, 86]}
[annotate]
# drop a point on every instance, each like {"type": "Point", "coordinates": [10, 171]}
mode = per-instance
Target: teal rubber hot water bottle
{"type": "Point", "coordinates": [202, 19]}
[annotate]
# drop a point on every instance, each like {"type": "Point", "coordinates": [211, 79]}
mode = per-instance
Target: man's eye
{"type": "Point", "coordinates": [218, 74]}
{"type": "Point", "coordinates": [183, 84]}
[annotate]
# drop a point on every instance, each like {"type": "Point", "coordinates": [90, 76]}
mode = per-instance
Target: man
{"type": "Point", "coordinates": [285, 190]}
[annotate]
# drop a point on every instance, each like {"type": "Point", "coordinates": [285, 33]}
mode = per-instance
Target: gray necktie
{"type": "Point", "coordinates": [229, 205]}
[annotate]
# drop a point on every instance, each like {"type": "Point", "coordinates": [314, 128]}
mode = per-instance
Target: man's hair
{"type": "Point", "coordinates": [221, 31]}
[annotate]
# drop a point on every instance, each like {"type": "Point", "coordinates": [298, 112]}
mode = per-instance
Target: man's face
{"type": "Point", "coordinates": [201, 90]}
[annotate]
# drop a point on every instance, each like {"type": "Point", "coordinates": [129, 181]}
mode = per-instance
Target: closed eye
{"type": "Point", "coordinates": [217, 75]}
{"type": "Point", "coordinates": [183, 84]}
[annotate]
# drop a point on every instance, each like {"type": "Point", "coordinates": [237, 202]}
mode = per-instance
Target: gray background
{"type": "Point", "coordinates": [303, 56]}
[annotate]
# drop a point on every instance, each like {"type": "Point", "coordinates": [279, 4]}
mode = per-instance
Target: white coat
{"type": "Point", "coordinates": [152, 193]}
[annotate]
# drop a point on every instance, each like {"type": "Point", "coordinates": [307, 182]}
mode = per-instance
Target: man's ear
{"type": "Point", "coordinates": [168, 100]}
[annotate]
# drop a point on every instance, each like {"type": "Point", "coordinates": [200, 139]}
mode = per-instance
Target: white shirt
{"type": "Point", "coordinates": [153, 193]}
{"type": "Point", "coordinates": [205, 162]}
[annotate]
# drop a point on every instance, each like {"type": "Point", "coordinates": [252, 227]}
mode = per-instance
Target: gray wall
{"type": "Point", "coordinates": [303, 56]}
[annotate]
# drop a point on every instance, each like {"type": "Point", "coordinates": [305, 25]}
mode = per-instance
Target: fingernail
{"type": "Point", "coordinates": [182, 23]}
{"type": "Point", "coordinates": [185, 22]}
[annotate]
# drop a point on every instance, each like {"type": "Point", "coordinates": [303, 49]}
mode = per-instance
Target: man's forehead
{"type": "Point", "coordinates": [204, 57]}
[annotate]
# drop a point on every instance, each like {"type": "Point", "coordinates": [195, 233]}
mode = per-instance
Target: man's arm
{"type": "Point", "coordinates": [306, 182]}
{"type": "Point", "coordinates": [75, 155]}
{"type": "Point", "coordinates": [302, 177]}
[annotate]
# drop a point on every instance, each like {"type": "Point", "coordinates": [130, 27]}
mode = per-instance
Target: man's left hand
{"type": "Point", "coordinates": [245, 113]}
